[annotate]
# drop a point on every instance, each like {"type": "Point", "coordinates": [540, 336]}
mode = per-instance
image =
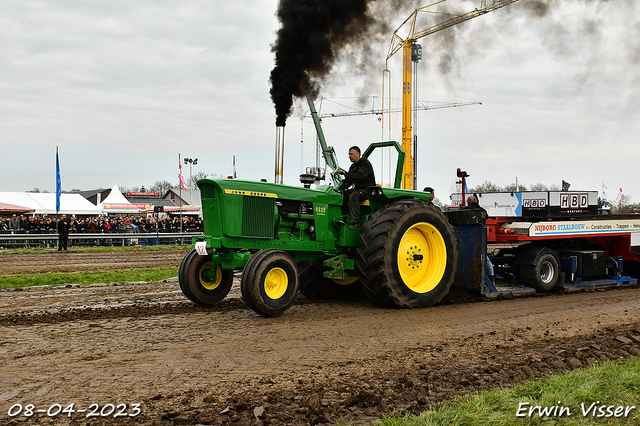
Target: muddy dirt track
{"type": "Point", "coordinates": [146, 344]}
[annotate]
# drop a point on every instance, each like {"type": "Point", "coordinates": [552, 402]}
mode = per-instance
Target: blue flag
{"type": "Point", "coordinates": [58, 183]}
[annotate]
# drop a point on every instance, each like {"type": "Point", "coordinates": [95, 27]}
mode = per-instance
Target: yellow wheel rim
{"type": "Point", "coordinates": [422, 257]}
{"type": "Point", "coordinates": [209, 279]}
{"type": "Point", "coordinates": [276, 283]}
{"type": "Point", "coordinates": [348, 281]}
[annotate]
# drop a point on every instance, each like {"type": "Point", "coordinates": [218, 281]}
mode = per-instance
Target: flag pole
{"type": "Point", "coordinates": [58, 192]}
{"type": "Point", "coordinates": [180, 183]}
{"type": "Point", "coordinates": [183, 185]}
{"type": "Point", "coordinates": [58, 184]}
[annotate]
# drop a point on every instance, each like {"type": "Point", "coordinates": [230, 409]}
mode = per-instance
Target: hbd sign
{"type": "Point", "coordinates": [539, 203]}
{"type": "Point", "coordinates": [574, 201]}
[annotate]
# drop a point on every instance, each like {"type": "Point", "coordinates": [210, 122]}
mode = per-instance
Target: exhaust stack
{"type": "Point", "coordinates": [279, 153]}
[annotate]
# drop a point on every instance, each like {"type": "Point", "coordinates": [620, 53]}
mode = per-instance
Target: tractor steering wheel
{"type": "Point", "coordinates": [338, 180]}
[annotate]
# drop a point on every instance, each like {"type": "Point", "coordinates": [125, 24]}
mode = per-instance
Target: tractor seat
{"type": "Point", "coordinates": [362, 203]}
{"type": "Point", "coordinates": [365, 202]}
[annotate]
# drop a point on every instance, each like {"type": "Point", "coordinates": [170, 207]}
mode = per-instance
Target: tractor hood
{"type": "Point", "coordinates": [216, 188]}
{"type": "Point", "coordinates": [246, 209]}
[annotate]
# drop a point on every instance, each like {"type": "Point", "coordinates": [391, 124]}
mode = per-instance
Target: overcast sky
{"type": "Point", "coordinates": [123, 88]}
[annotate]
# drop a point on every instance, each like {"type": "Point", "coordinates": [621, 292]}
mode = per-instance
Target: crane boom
{"type": "Point", "coordinates": [406, 44]}
{"type": "Point", "coordinates": [497, 4]}
{"type": "Point", "coordinates": [423, 107]}
{"type": "Point", "coordinates": [397, 41]}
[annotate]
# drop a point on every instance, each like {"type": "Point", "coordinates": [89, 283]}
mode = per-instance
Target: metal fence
{"type": "Point", "coordinates": [24, 240]}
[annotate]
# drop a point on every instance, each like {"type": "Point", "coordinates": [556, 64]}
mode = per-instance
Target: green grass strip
{"type": "Point", "coordinates": [87, 277]}
{"type": "Point", "coordinates": [592, 395]}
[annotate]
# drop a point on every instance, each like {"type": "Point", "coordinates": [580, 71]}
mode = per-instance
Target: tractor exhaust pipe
{"type": "Point", "coordinates": [279, 153]}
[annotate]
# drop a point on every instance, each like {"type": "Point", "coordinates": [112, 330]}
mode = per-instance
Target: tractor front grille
{"type": "Point", "coordinates": [258, 218]}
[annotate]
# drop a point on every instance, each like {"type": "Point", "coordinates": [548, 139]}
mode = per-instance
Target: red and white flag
{"type": "Point", "coordinates": [620, 195]}
{"type": "Point", "coordinates": [183, 184]}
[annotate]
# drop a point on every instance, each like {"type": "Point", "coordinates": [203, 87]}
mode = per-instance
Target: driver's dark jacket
{"type": "Point", "coordinates": [360, 174]}
{"type": "Point", "coordinates": [483, 211]}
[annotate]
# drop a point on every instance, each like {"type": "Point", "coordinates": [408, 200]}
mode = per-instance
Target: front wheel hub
{"type": "Point", "coordinates": [210, 276]}
{"type": "Point", "coordinates": [276, 283]}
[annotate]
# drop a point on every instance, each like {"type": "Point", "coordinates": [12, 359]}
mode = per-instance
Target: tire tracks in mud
{"type": "Point", "coordinates": [110, 304]}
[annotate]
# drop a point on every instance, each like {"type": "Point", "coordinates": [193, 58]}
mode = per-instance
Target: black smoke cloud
{"type": "Point", "coordinates": [315, 35]}
{"type": "Point", "coordinates": [311, 35]}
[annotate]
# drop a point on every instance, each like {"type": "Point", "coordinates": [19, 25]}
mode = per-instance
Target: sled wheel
{"type": "Point", "coordinates": [269, 282]}
{"type": "Point", "coordinates": [315, 286]}
{"type": "Point", "coordinates": [407, 255]}
{"type": "Point", "coordinates": [543, 275]}
{"type": "Point", "coordinates": [201, 281]}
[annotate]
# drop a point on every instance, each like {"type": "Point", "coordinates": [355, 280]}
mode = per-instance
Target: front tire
{"type": "Point", "coordinates": [201, 281]}
{"type": "Point", "coordinates": [270, 282]}
{"type": "Point", "coordinates": [407, 255]}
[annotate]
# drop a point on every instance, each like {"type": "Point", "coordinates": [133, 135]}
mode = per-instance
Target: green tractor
{"type": "Point", "coordinates": [286, 239]}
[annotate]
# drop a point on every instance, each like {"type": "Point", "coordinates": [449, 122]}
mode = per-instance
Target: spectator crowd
{"type": "Point", "coordinates": [100, 224]}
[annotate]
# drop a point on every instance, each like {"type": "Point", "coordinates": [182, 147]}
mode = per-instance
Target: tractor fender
{"type": "Point", "coordinates": [380, 196]}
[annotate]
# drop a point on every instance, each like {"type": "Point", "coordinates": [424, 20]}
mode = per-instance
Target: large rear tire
{"type": "Point", "coordinates": [407, 256]}
{"type": "Point", "coordinates": [201, 282]}
{"type": "Point", "coordinates": [313, 285]}
{"type": "Point", "coordinates": [269, 282]}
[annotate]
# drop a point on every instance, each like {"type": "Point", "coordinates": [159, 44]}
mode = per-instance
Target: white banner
{"type": "Point", "coordinates": [584, 228]}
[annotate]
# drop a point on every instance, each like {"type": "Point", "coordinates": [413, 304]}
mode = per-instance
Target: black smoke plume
{"type": "Point", "coordinates": [312, 33]}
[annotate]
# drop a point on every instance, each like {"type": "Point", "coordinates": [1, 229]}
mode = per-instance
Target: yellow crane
{"type": "Point", "coordinates": [411, 52]}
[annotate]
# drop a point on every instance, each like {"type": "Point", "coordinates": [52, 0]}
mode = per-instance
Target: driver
{"type": "Point", "coordinates": [359, 177]}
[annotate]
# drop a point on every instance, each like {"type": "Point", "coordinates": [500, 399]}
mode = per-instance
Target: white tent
{"type": "Point", "coordinates": [69, 204]}
{"type": "Point", "coordinates": [44, 203]}
{"type": "Point", "coordinates": [22, 199]}
{"type": "Point", "coordinates": [117, 203]}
